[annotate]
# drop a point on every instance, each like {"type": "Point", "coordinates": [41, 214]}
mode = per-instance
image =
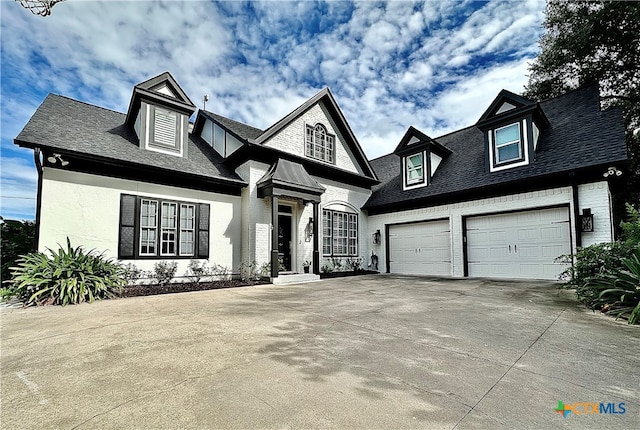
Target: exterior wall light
{"type": "Point", "coordinates": [612, 171]}
{"type": "Point", "coordinates": [376, 237]}
{"type": "Point", "coordinates": [308, 230]}
{"type": "Point", "coordinates": [53, 159]}
{"type": "Point", "coordinates": [586, 221]}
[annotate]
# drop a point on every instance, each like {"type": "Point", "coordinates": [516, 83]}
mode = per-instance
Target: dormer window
{"type": "Point", "coordinates": [511, 126]}
{"type": "Point", "coordinates": [414, 165]}
{"type": "Point", "coordinates": [508, 144]}
{"type": "Point", "coordinates": [159, 113]}
{"type": "Point", "coordinates": [420, 157]}
{"type": "Point", "coordinates": [320, 144]}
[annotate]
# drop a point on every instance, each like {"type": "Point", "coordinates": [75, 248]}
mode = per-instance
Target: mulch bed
{"type": "Point", "coordinates": [152, 290]}
{"type": "Point", "coordinates": [349, 273]}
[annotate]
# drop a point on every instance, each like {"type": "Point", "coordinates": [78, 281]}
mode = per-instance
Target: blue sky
{"type": "Point", "coordinates": [435, 65]}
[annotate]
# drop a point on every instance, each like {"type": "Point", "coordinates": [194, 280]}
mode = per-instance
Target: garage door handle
{"type": "Point", "coordinates": [515, 248]}
{"type": "Point", "coordinates": [509, 249]}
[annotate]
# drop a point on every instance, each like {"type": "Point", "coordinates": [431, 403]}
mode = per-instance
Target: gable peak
{"type": "Point", "coordinates": [505, 101]}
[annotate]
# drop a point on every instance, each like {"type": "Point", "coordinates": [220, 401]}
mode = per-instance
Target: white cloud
{"type": "Point", "coordinates": [435, 65]}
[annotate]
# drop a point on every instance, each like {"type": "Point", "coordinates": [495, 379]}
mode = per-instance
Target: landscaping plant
{"type": "Point", "coordinates": [163, 272]}
{"type": "Point", "coordinates": [605, 276]}
{"type": "Point", "coordinates": [619, 292]}
{"type": "Point", "coordinates": [69, 275]}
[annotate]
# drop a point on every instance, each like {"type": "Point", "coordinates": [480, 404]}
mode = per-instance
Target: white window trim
{"type": "Point", "coordinates": [178, 152]}
{"type": "Point", "coordinates": [192, 230]}
{"type": "Point", "coordinates": [169, 230]}
{"type": "Point", "coordinates": [154, 227]}
{"type": "Point", "coordinates": [405, 174]}
{"type": "Point", "coordinates": [159, 229]}
{"type": "Point", "coordinates": [349, 236]}
{"type": "Point", "coordinates": [328, 149]}
{"type": "Point", "coordinates": [493, 167]}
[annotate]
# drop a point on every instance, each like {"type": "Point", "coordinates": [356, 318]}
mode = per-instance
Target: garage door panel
{"type": "Point", "coordinates": [420, 248]}
{"type": "Point", "coordinates": [518, 245]}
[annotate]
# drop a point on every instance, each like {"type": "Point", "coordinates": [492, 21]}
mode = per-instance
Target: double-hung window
{"type": "Point", "coordinates": [340, 233]}
{"type": "Point", "coordinates": [508, 146]}
{"type": "Point", "coordinates": [320, 144]}
{"type": "Point", "coordinates": [415, 169]}
{"type": "Point", "coordinates": [162, 228]}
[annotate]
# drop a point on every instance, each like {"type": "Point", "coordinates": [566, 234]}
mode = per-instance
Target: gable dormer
{"type": "Point", "coordinates": [420, 157]}
{"type": "Point", "coordinates": [159, 113]}
{"type": "Point", "coordinates": [511, 127]}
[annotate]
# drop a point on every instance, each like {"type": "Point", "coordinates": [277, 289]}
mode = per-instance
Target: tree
{"type": "Point", "coordinates": [594, 41]}
{"type": "Point", "coordinates": [18, 238]}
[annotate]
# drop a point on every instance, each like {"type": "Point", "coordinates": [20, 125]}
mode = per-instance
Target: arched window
{"type": "Point", "coordinates": [320, 144]}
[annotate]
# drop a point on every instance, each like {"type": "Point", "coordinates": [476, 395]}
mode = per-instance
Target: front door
{"type": "Point", "coordinates": [284, 237]}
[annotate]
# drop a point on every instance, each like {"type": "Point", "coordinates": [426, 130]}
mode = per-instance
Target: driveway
{"type": "Point", "coordinates": [374, 351]}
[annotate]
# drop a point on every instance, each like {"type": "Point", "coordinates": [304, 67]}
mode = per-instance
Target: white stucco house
{"type": "Point", "coordinates": [501, 199]}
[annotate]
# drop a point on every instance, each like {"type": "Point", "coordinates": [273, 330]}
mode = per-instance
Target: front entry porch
{"type": "Point", "coordinates": [287, 184]}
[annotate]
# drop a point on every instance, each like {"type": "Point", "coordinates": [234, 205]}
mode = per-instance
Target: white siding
{"type": "Point", "coordinates": [256, 218]}
{"type": "Point", "coordinates": [596, 197]}
{"type": "Point", "coordinates": [86, 208]}
{"type": "Point", "coordinates": [291, 139]}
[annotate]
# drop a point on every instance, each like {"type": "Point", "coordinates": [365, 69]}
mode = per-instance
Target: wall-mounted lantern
{"type": "Point", "coordinates": [586, 221]}
{"type": "Point", "coordinates": [308, 230]}
{"type": "Point", "coordinates": [376, 237]}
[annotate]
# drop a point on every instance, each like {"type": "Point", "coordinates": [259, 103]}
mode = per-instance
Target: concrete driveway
{"type": "Point", "coordinates": [368, 352]}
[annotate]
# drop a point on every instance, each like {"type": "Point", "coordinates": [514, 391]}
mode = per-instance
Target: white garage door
{"type": "Point", "coordinates": [518, 245]}
{"type": "Point", "coordinates": [420, 248]}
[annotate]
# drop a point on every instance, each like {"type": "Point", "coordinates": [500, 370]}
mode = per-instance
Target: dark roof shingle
{"type": "Point", "coordinates": [579, 136]}
{"type": "Point", "coordinates": [64, 124]}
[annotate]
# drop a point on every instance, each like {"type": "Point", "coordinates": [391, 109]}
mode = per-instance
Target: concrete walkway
{"type": "Point", "coordinates": [368, 352]}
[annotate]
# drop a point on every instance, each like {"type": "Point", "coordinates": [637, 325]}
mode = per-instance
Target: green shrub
{"type": "Point", "coordinates": [163, 272]}
{"type": "Point", "coordinates": [631, 227]}
{"type": "Point", "coordinates": [6, 294]}
{"type": "Point", "coordinates": [70, 275]}
{"type": "Point", "coordinates": [619, 292]}
{"type": "Point", "coordinates": [249, 270]}
{"type": "Point", "coordinates": [353, 264]}
{"type": "Point", "coordinates": [326, 268]}
{"type": "Point", "coordinates": [336, 264]}
{"type": "Point", "coordinates": [591, 261]}
{"type": "Point", "coordinates": [196, 271]}
{"type": "Point", "coordinates": [131, 273]}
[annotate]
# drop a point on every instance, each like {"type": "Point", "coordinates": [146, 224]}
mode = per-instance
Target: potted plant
{"type": "Point", "coordinates": [306, 265]}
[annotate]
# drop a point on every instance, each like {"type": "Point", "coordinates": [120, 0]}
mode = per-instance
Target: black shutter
{"type": "Point", "coordinates": [203, 230]}
{"type": "Point", "coordinates": [126, 242]}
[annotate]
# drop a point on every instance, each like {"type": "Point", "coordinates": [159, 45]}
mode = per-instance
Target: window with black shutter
{"type": "Point", "coordinates": [158, 228]}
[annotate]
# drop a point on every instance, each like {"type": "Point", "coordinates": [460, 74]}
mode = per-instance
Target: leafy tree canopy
{"type": "Point", "coordinates": [593, 41]}
{"type": "Point", "coordinates": [18, 238]}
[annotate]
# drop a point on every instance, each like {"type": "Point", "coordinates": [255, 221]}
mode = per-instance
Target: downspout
{"type": "Point", "coordinates": [576, 209]}
{"type": "Point", "coordinates": [38, 162]}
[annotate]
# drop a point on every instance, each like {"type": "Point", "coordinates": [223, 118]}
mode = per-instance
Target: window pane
{"type": "Point", "coordinates": [148, 224]}
{"type": "Point", "coordinates": [326, 232]}
{"type": "Point", "coordinates": [508, 134]}
{"type": "Point", "coordinates": [509, 152]}
{"type": "Point", "coordinates": [415, 170]}
{"type": "Point", "coordinates": [414, 161]}
{"type": "Point", "coordinates": [187, 229]}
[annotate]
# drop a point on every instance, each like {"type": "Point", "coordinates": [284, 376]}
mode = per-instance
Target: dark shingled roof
{"type": "Point", "coordinates": [64, 124]}
{"type": "Point", "coordinates": [242, 130]}
{"type": "Point", "coordinates": [288, 173]}
{"type": "Point", "coordinates": [579, 136]}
